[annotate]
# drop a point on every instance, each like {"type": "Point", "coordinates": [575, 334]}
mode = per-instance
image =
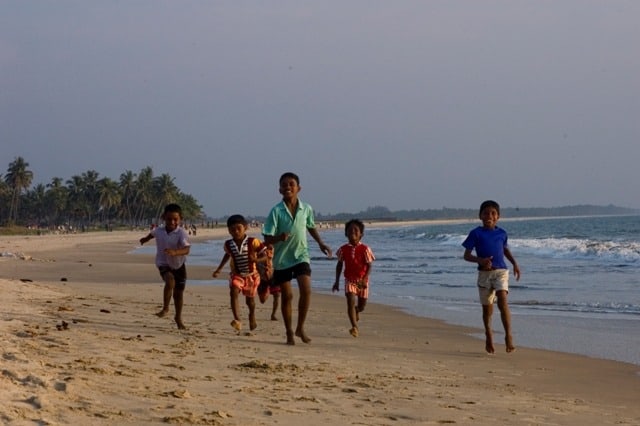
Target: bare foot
{"type": "Point", "coordinates": [508, 341]}
{"type": "Point", "coordinates": [303, 336]}
{"type": "Point", "coordinates": [237, 325]}
{"type": "Point", "coordinates": [290, 340]}
{"type": "Point", "coordinates": [252, 322]}
{"type": "Point", "coordinates": [162, 313]}
{"type": "Point", "coordinates": [354, 331]}
{"type": "Point", "coordinates": [274, 318]}
{"type": "Point", "coordinates": [488, 346]}
{"type": "Point", "coordinates": [180, 324]}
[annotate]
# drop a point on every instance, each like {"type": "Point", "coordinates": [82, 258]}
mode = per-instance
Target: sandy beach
{"type": "Point", "coordinates": [81, 345]}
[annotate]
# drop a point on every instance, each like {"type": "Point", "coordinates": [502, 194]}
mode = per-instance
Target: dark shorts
{"type": "Point", "coordinates": [283, 275]}
{"type": "Point", "coordinates": [268, 287]}
{"type": "Point", "coordinates": [179, 275]}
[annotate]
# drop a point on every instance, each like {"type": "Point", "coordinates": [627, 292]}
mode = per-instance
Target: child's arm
{"type": "Point", "coordinates": [316, 236]}
{"type": "Point", "coordinates": [483, 262]}
{"type": "Point", "coordinates": [223, 262]}
{"type": "Point", "coordinates": [336, 285]}
{"type": "Point", "coordinates": [178, 252]}
{"type": "Point", "coordinates": [516, 268]}
{"type": "Point", "coordinates": [272, 239]}
{"type": "Point", "coordinates": [145, 239]}
{"type": "Point", "coordinates": [365, 277]}
{"type": "Point", "coordinates": [264, 254]}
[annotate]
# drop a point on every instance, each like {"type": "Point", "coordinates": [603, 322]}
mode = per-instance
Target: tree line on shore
{"type": "Point", "coordinates": [89, 200]}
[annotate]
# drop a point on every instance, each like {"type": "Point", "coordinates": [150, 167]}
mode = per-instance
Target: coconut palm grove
{"type": "Point", "coordinates": [88, 200]}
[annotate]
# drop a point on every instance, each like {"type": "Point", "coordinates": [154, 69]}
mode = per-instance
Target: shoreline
{"type": "Point", "coordinates": [117, 362]}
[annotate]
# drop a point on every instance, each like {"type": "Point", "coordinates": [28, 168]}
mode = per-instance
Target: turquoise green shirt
{"type": "Point", "coordinates": [295, 250]}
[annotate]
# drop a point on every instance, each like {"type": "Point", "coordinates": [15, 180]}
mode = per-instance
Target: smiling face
{"type": "Point", "coordinates": [171, 220]}
{"type": "Point", "coordinates": [354, 234]}
{"type": "Point", "coordinates": [489, 217]}
{"type": "Point", "coordinates": [289, 188]}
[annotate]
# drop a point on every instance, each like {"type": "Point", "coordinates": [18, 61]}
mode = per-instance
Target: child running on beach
{"type": "Point", "coordinates": [172, 248]}
{"type": "Point", "coordinates": [266, 286]}
{"type": "Point", "coordinates": [244, 252]}
{"type": "Point", "coordinates": [357, 259]}
{"type": "Point", "coordinates": [286, 229]}
{"type": "Point", "coordinates": [490, 245]}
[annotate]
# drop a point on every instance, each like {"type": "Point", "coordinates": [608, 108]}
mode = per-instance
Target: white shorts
{"type": "Point", "coordinates": [491, 281]}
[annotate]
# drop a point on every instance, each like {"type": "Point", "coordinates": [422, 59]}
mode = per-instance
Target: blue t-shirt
{"type": "Point", "coordinates": [488, 243]}
{"type": "Point", "coordinates": [295, 250]}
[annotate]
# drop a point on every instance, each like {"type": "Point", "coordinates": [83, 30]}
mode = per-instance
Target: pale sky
{"type": "Point", "coordinates": [404, 104]}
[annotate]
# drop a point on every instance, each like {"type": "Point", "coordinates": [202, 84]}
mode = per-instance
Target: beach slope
{"type": "Point", "coordinates": [81, 345]}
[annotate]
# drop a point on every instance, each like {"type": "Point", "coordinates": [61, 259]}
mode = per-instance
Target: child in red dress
{"type": "Point", "coordinates": [356, 258]}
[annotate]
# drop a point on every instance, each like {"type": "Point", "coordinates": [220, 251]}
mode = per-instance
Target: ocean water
{"type": "Point", "coordinates": [579, 291]}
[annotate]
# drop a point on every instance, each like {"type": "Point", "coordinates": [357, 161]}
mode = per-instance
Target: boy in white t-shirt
{"type": "Point", "coordinates": [173, 246]}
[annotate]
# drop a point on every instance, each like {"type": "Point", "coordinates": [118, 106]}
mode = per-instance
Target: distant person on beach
{"type": "Point", "coordinates": [243, 252]}
{"type": "Point", "coordinates": [266, 287]}
{"type": "Point", "coordinates": [490, 245]}
{"type": "Point", "coordinates": [356, 258]}
{"type": "Point", "coordinates": [173, 246]}
{"type": "Point", "coordinates": [286, 229]}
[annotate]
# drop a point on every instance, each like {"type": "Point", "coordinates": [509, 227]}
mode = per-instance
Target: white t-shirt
{"type": "Point", "coordinates": [176, 239]}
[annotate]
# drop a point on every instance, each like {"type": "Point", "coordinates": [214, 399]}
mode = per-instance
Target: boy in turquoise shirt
{"type": "Point", "coordinates": [286, 229]}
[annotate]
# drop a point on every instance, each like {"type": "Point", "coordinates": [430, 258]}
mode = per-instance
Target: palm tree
{"type": "Point", "coordinates": [77, 204]}
{"type": "Point", "coordinates": [127, 189]}
{"type": "Point", "coordinates": [18, 178]}
{"type": "Point", "coordinates": [143, 194]}
{"type": "Point", "coordinates": [110, 197]}
{"type": "Point", "coordinates": [35, 206]}
{"type": "Point", "coordinates": [56, 200]}
{"type": "Point", "coordinates": [165, 192]}
{"type": "Point", "coordinates": [191, 210]}
{"type": "Point", "coordinates": [5, 196]}
{"type": "Point", "coordinates": [92, 192]}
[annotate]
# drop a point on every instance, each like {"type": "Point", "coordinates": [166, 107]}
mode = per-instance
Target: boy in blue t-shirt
{"type": "Point", "coordinates": [490, 245]}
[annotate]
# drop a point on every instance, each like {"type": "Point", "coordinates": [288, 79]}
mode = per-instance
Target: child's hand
{"type": "Point", "coordinates": [516, 272]}
{"type": "Point", "coordinates": [326, 250]}
{"type": "Point", "coordinates": [171, 252]}
{"type": "Point", "coordinates": [216, 273]}
{"type": "Point", "coordinates": [336, 287]}
{"type": "Point", "coordinates": [485, 263]}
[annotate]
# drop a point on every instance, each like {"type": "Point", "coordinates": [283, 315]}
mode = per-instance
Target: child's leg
{"type": "Point", "coordinates": [276, 298]}
{"type": "Point", "coordinates": [362, 303]}
{"type": "Point", "coordinates": [304, 301]}
{"type": "Point", "coordinates": [505, 316]}
{"type": "Point", "coordinates": [351, 309]}
{"type": "Point", "coordinates": [169, 285]}
{"type": "Point", "coordinates": [178, 297]}
{"type": "Point", "coordinates": [251, 304]}
{"type": "Point", "coordinates": [487, 312]}
{"type": "Point", "coordinates": [287, 296]}
{"type": "Point", "coordinates": [235, 309]}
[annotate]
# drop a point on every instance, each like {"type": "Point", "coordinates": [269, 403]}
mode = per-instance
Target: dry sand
{"type": "Point", "coordinates": [89, 350]}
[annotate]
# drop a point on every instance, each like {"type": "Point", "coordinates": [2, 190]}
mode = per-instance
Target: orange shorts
{"type": "Point", "coordinates": [355, 288]}
{"type": "Point", "coordinates": [248, 285]}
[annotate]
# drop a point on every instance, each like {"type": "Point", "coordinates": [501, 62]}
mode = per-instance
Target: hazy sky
{"type": "Point", "coordinates": [404, 104]}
